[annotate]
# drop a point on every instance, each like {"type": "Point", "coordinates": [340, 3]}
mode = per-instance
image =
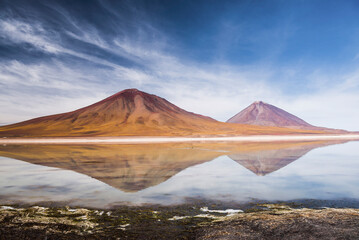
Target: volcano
{"type": "Point", "coordinates": [264, 114]}
{"type": "Point", "coordinates": [131, 113]}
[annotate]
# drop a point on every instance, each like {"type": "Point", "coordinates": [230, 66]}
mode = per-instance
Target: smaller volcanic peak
{"type": "Point", "coordinates": [264, 114]}
{"type": "Point", "coordinates": [132, 112]}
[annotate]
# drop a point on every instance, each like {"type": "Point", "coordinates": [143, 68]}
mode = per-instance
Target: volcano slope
{"type": "Point", "coordinates": [264, 114]}
{"type": "Point", "coordinates": [134, 113]}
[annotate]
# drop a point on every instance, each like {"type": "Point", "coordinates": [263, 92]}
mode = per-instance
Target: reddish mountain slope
{"type": "Point", "coordinates": [263, 114]}
{"type": "Point", "coordinates": [131, 113]}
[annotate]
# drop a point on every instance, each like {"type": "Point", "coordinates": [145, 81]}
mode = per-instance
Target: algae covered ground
{"type": "Point", "coordinates": [265, 221]}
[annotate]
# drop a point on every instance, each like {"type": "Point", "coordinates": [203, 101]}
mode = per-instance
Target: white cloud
{"type": "Point", "coordinates": [21, 32]}
{"type": "Point", "coordinates": [217, 90]}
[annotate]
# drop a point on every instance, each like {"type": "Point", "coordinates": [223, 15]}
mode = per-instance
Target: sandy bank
{"type": "Point", "coordinates": [144, 140]}
{"type": "Point", "coordinates": [185, 222]}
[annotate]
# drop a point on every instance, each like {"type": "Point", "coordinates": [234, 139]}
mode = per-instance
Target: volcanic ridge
{"type": "Point", "coordinates": [264, 114]}
{"type": "Point", "coordinates": [134, 113]}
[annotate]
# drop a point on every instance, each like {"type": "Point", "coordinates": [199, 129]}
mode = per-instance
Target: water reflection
{"type": "Point", "coordinates": [265, 160]}
{"type": "Point", "coordinates": [144, 173]}
{"type": "Point", "coordinates": [132, 168]}
{"type": "Point", "coordinates": [129, 168]}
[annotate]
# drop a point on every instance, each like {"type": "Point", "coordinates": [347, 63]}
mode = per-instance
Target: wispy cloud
{"type": "Point", "coordinates": [86, 65]}
{"type": "Point", "coordinates": [20, 32]}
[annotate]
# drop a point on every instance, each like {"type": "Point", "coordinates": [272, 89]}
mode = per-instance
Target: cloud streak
{"type": "Point", "coordinates": [84, 64]}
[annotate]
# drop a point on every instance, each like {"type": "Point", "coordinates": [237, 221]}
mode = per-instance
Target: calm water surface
{"type": "Point", "coordinates": [104, 176]}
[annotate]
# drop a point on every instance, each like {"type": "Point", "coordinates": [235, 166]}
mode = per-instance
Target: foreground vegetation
{"type": "Point", "coordinates": [267, 221]}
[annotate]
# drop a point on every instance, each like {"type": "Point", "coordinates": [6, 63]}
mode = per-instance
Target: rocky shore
{"type": "Point", "coordinates": [267, 221]}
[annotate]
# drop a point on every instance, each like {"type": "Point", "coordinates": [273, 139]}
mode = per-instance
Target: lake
{"type": "Point", "coordinates": [319, 173]}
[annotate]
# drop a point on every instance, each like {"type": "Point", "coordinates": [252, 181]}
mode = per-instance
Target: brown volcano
{"type": "Point", "coordinates": [264, 114]}
{"type": "Point", "coordinates": [131, 113]}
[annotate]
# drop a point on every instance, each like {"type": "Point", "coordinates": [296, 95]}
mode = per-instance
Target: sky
{"type": "Point", "coordinates": [209, 57]}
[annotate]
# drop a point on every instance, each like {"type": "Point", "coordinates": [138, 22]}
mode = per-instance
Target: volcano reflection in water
{"type": "Point", "coordinates": [135, 168]}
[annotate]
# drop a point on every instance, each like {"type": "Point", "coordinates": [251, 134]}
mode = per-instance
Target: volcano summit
{"type": "Point", "coordinates": [264, 114]}
{"type": "Point", "coordinates": [132, 113]}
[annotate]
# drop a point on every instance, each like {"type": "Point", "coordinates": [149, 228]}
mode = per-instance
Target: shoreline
{"type": "Point", "coordinates": [268, 221]}
{"type": "Point", "coordinates": [155, 139]}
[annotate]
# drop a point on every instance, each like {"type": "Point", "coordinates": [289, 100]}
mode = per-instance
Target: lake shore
{"type": "Point", "coordinates": [146, 140]}
{"type": "Point", "coordinates": [271, 221]}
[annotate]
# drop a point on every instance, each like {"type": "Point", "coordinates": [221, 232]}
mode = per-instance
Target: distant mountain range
{"type": "Point", "coordinates": [135, 113]}
{"type": "Point", "coordinates": [264, 114]}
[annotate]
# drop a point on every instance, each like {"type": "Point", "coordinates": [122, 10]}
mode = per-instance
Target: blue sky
{"type": "Point", "coordinates": [209, 57]}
